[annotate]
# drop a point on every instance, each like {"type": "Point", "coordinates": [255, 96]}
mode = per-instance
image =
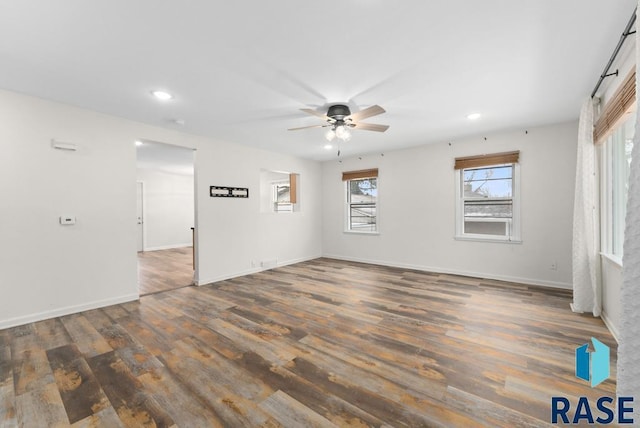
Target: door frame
{"type": "Point", "coordinates": [144, 209]}
{"type": "Point", "coordinates": [196, 233]}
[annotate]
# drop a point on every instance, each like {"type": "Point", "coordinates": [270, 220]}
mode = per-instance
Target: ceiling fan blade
{"type": "Point", "coordinates": [315, 113]}
{"type": "Point", "coordinates": [368, 112]}
{"type": "Point", "coordinates": [307, 127]}
{"type": "Point", "coordinates": [371, 127]}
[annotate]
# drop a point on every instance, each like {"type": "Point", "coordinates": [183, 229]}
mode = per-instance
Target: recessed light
{"type": "Point", "coordinates": [162, 95]}
{"type": "Point", "coordinates": [139, 143]}
{"type": "Point", "coordinates": [328, 146]}
{"type": "Point", "coordinates": [474, 116]}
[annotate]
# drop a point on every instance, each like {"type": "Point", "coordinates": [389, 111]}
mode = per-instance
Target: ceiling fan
{"type": "Point", "coordinates": [339, 120]}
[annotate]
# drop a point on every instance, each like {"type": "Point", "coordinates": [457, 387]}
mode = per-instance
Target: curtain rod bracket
{"type": "Point", "coordinates": [627, 32]}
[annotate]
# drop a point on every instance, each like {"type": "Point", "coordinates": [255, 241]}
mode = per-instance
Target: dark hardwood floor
{"type": "Point", "coordinates": [320, 343]}
{"type": "Point", "coordinates": [164, 270]}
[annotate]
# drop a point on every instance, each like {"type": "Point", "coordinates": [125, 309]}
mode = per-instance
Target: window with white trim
{"type": "Point", "coordinates": [615, 162]}
{"type": "Point", "coordinates": [282, 197]}
{"type": "Point", "coordinates": [279, 192]}
{"type": "Point", "coordinates": [361, 200]}
{"type": "Point", "coordinates": [487, 194]}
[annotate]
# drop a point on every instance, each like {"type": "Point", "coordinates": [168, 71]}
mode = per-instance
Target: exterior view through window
{"type": "Point", "coordinates": [362, 198]}
{"type": "Point", "coordinates": [487, 201]}
{"type": "Point", "coordinates": [282, 197]}
{"type": "Point", "coordinates": [614, 186]}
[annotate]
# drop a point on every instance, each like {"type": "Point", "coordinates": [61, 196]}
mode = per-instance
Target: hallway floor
{"type": "Point", "coordinates": [164, 270]}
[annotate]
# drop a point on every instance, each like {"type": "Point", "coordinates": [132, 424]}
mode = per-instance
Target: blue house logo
{"type": "Point", "coordinates": [593, 365]}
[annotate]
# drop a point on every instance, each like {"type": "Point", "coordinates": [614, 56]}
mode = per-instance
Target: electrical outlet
{"type": "Point", "coordinates": [553, 265]}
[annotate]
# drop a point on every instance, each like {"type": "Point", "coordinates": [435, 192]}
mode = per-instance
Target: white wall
{"type": "Point", "coordinates": [417, 209]}
{"type": "Point", "coordinates": [47, 269]}
{"type": "Point", "coordinates": [611, 286]}
{"type": "Point", "coordinates": [168, 209]}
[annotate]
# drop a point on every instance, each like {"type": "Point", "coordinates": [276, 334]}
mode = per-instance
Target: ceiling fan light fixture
{"type": "Point", "coordinates": [330, 135]}
{"type": "Point", "coordinates": [341, 131]}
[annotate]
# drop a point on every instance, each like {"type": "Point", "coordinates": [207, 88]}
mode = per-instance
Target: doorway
{"type": "Point", "coordinates": [165, 217]}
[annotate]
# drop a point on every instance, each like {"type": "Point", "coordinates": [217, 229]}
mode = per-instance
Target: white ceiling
{"type": "Point", "coordinates": [241, 70]}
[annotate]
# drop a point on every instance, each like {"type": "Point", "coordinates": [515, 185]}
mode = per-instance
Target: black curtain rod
{"type": "Point", "coordinates": [626, 33]}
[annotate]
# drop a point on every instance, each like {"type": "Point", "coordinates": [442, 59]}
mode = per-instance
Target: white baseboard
{"type": "Point", "coordinates": [254, 270]}
{"type": "Point", "coordinates": [527, 281]}
{"type": "Point", "coordinates": [167, 247]}
{"type": "Point", "coordinates": [12, 322]}
{"type": "Point", "coordinates": [612, 328]}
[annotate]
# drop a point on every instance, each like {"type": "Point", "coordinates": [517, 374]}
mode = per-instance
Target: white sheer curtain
{"type": "Point", "coordinates": [586, 290]}
{"type": "Point", "coordinates": [629, 346]}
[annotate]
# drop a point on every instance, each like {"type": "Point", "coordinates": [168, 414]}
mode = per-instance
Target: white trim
{"type": "Point", "coordinates": [144, 211]}
{"type": "Point", "coordinates": [481, 275]}
{"type": "Point", "coordinates": [254, 270]}
{"type": "Point", "coordinates": [360, 232]}
{"type": "Point", "coordinates": [196, 231]}
{"type": "Point", "coordinates": [471, 237]}
{"type": "Point", "coordinates": [68, 310]}
{"type": "Point", "coordinates": [347, 211]}
{"type": "Point", "coordinates": [610, 325]}
{"type": "Point", "coordinates": [515, 228]}
{"type": "Point", "coordinates": [167, 247]}
{"type": "Point", "coordinates": [612, 258]}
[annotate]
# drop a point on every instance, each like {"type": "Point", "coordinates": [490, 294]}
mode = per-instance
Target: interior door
{"type": "Point", "coordinates": [140, 217]}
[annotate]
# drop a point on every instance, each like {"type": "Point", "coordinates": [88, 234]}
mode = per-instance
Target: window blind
{"type": "Point", "coordinates": [487, 160]}
{"type": "Point", "coordinates": [293, 188]}
{"type": "Point", "coordinates": [363, 173]}
{"type": "Point", "coordinates": [613, 113]}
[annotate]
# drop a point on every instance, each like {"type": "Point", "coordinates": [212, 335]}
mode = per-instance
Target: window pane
{"type": "Point", "coordinates": [283, 207]}
{"type": "Point", "coordinates": [499, 228]}
{"type": "Point", "coordinates": [505, 171]}
{"type": "Point", "coordinates": [622, 145]}
{"type": "Point", "coordinates": [363, 194]}
{"type": "Point", "coordinates": [363, 217]}
{"type": "Point", "coordinates": [364, 190]}
{"type": "Point", "coordinates": [487, 201]}
{"type": "Point", "coordinates": [282, 193]}
{"type": "Point", "coordinates": [488, 209]}
{"type": "Point", "coordinates": [492, 182]}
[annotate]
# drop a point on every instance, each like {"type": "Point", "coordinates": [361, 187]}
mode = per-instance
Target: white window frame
{"type": "Point", "coordinates": [280, 207]}
{"type": "Point", "coordinates": [513, 235]}
{"type": "Point", "coordinates": [609, 165]}
{"type": "Point", "coordinates": [347, 209]}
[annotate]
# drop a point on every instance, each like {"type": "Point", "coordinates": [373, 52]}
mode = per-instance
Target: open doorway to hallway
{"type": "Point", "coordinates": [165, 216]}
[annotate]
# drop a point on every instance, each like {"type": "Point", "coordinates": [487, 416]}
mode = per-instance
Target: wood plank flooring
{"type": "Point", "coordinates": [320, 343]}
{"type": "Point", "coordinates": [164, 270]}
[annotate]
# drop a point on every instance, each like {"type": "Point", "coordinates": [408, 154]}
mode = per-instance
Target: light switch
{"type": "Point", "coordinates": [67, 220]}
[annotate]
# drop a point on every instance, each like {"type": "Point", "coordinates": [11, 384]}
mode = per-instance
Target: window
{"type": "Point", "coordinates": [615, 157]}
{"type": "Point", "coordinates": [487, 204]}
{"type": "Point", "coordinates": [279, 192]}
{"type": "Point", "coordinates": [362, 200]}
{"type": "Point", "coordinates": [281, 197]}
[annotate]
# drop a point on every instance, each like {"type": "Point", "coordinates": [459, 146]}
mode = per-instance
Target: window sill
{"type": "Point", "coordinates": [616, 260]}
{"type": "Point", "coordinates": [497, 241]}
{"type": "Point", "coordinates": [354, 232]}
